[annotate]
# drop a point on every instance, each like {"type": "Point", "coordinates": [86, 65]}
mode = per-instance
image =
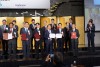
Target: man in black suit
{"type": "Point", "coordinates": [38, 39]}
{"type": "Point", "coordinates": [70, 28]}
{"type": "Point", "coordinates": [25, 31]}
{"type": "Point", "coordinates": [4, 29]}
{"type": "Point", "coordinates": [74, 35]}
{"type": "Point", "coordinates": [54, 28]}
{"type": "Point", "coordinates": [16, 28]}
{"type": "Point", "coordinates": [70, 23]}
{"type": "Point", "coordinates": [32, 27]}
{"type": "Point", "coordinates": [12, 42]}
{"type": "Point", "coordinates": [44, 28]}
{"type": "Point", "coordinates": [53, 25]}
{"type": "Point", "coordinates": [90, 35]}
{"type": "Point", "coordinates": [48, 40]}
{"type": "Point", "coordinates": [66, 36]}
{"type": "Point", "coordinates": [60, 41]}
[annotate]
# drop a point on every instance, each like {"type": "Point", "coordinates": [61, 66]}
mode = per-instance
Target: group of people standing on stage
{"type": "Point", "coordinates": [40, 35]}
{"type": "Point", "coordinates": [9, 46]}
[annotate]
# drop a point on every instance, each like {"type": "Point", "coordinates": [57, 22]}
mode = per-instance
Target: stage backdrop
{"type": "Point", "coordinates": [79, 21]}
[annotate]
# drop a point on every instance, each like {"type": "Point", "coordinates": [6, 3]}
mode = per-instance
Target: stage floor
{"type": "Point", "coordinates": [84, 59]}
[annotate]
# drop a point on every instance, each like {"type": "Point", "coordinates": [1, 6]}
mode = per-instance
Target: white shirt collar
{"type": "Point", "coordinates": [11, 29]}
{"type": "Point", "coordinates": [37, 28]}
{"type": "Point", "coordinates": [74, 29]}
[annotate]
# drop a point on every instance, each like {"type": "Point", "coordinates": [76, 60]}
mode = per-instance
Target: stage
{"type": "Point", "coordinates": [84, 59]}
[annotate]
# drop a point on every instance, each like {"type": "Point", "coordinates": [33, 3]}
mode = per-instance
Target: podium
{"type": "Point", "coordinates": [23, 37]}
{"type": "Point", "coordinates": [7, 36]}
{"type": "Point", "coordinates": [73, 35]}
{"type": "Point", "coordinates": [37, 36]}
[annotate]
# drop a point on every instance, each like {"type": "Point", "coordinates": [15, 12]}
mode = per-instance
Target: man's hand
{"type": "Point", "coordinates": [48, 58]}
{"type": "Point", "coordinates": [37, 39]}
{"type": "Point", "coordinates": [12, 36]}
{"type": "Point", "coordinates": [27, 39]}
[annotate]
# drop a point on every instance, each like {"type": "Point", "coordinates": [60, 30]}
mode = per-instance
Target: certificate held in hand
{"type": "Point", "coordinates": [23, 37]}
{"type": "Point", "coordinates": [7, 36]}
{"type": "Point", "coordinates": [58, 35]}
{"type": "Point", "coordinates": [37, 36]}
{"type": "Point", "coordinates": [52, 35]}
{"type": "Point", "coordinates": [73, 35]}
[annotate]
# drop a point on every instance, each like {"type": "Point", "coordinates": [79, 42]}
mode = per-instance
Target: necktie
{"type": "Point", "coordinates": [26, 30]}
{"type": "Point", "coordinates": [60, 30]}
{"type": "Point", "coordinates": [10, 30]}
{"type": "Point", "coordinates": [37, 29]}
{"type": "Point", "coordinates": [4, 27]}
{"type": "Point", "coordinates": [73, 30]}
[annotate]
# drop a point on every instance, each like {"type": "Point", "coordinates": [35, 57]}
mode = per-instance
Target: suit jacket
{"type": "Point", "coordinates": [54, 27]}
{"type": "Point", "coordinates": [46, 35]}
{"type": "Point", "coordinates": [77, 33]}
{"type": "Point", "coordinates": [92, 31]}
{"type": "Point", "coordinates": [16, 27]}
{"type": "Point", "coordinates": [43, 28]}
{"type": "Point", "coordinates": [36, 31]}
{"type": "Point", "coordinates": [14, 32]}
{"type": "Point", "coordinates": [43, 31]}
{"type": "Point", "coordinates": [4, 30]}
{"type": "Point", "coordinates": [70, 26]}
{"type": "Point", "coordinates": [32, 29]}
{"type": "Point", "coordinates": [58, 31]}
{"type": "Point", "coordinates": [66, 32]}
{"type": "Point", "coordinates": [22, 31]}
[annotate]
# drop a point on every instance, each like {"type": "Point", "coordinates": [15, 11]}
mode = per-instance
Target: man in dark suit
{"type": "Point", "coordinates": [74, 35]}
{"type": "Point", "coordinates": [44, 28]}
{"type": "Point", "coordinates": [4, 29]}
{"type": "Point", "coordinates": [70, 23]}
{"type": "Point", "coordinates": [48, 40]}
{"type": "Point", "coordinates": [53, 25]}
{"type": "Point", "coordinates": [66, 36]}
{"type": "Point", "coordinates": [70, 28]}
{"type": "Point", "coordinates": [54, 28]}
{"type": "Point", "coordinates": [32, 27]}
{"type": "Point", "coordinates": [38, 39]}
{"type": "Point", "coordinates": [26, 40]}
{"type": "Point", "coordinates": [16, 28]}
{"type": "Point", "coordinates": [90, 35]}
{"type": "Point", "coordinates": [12, 42]}
{"type": "Point", "coordinates": [60, 41]}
